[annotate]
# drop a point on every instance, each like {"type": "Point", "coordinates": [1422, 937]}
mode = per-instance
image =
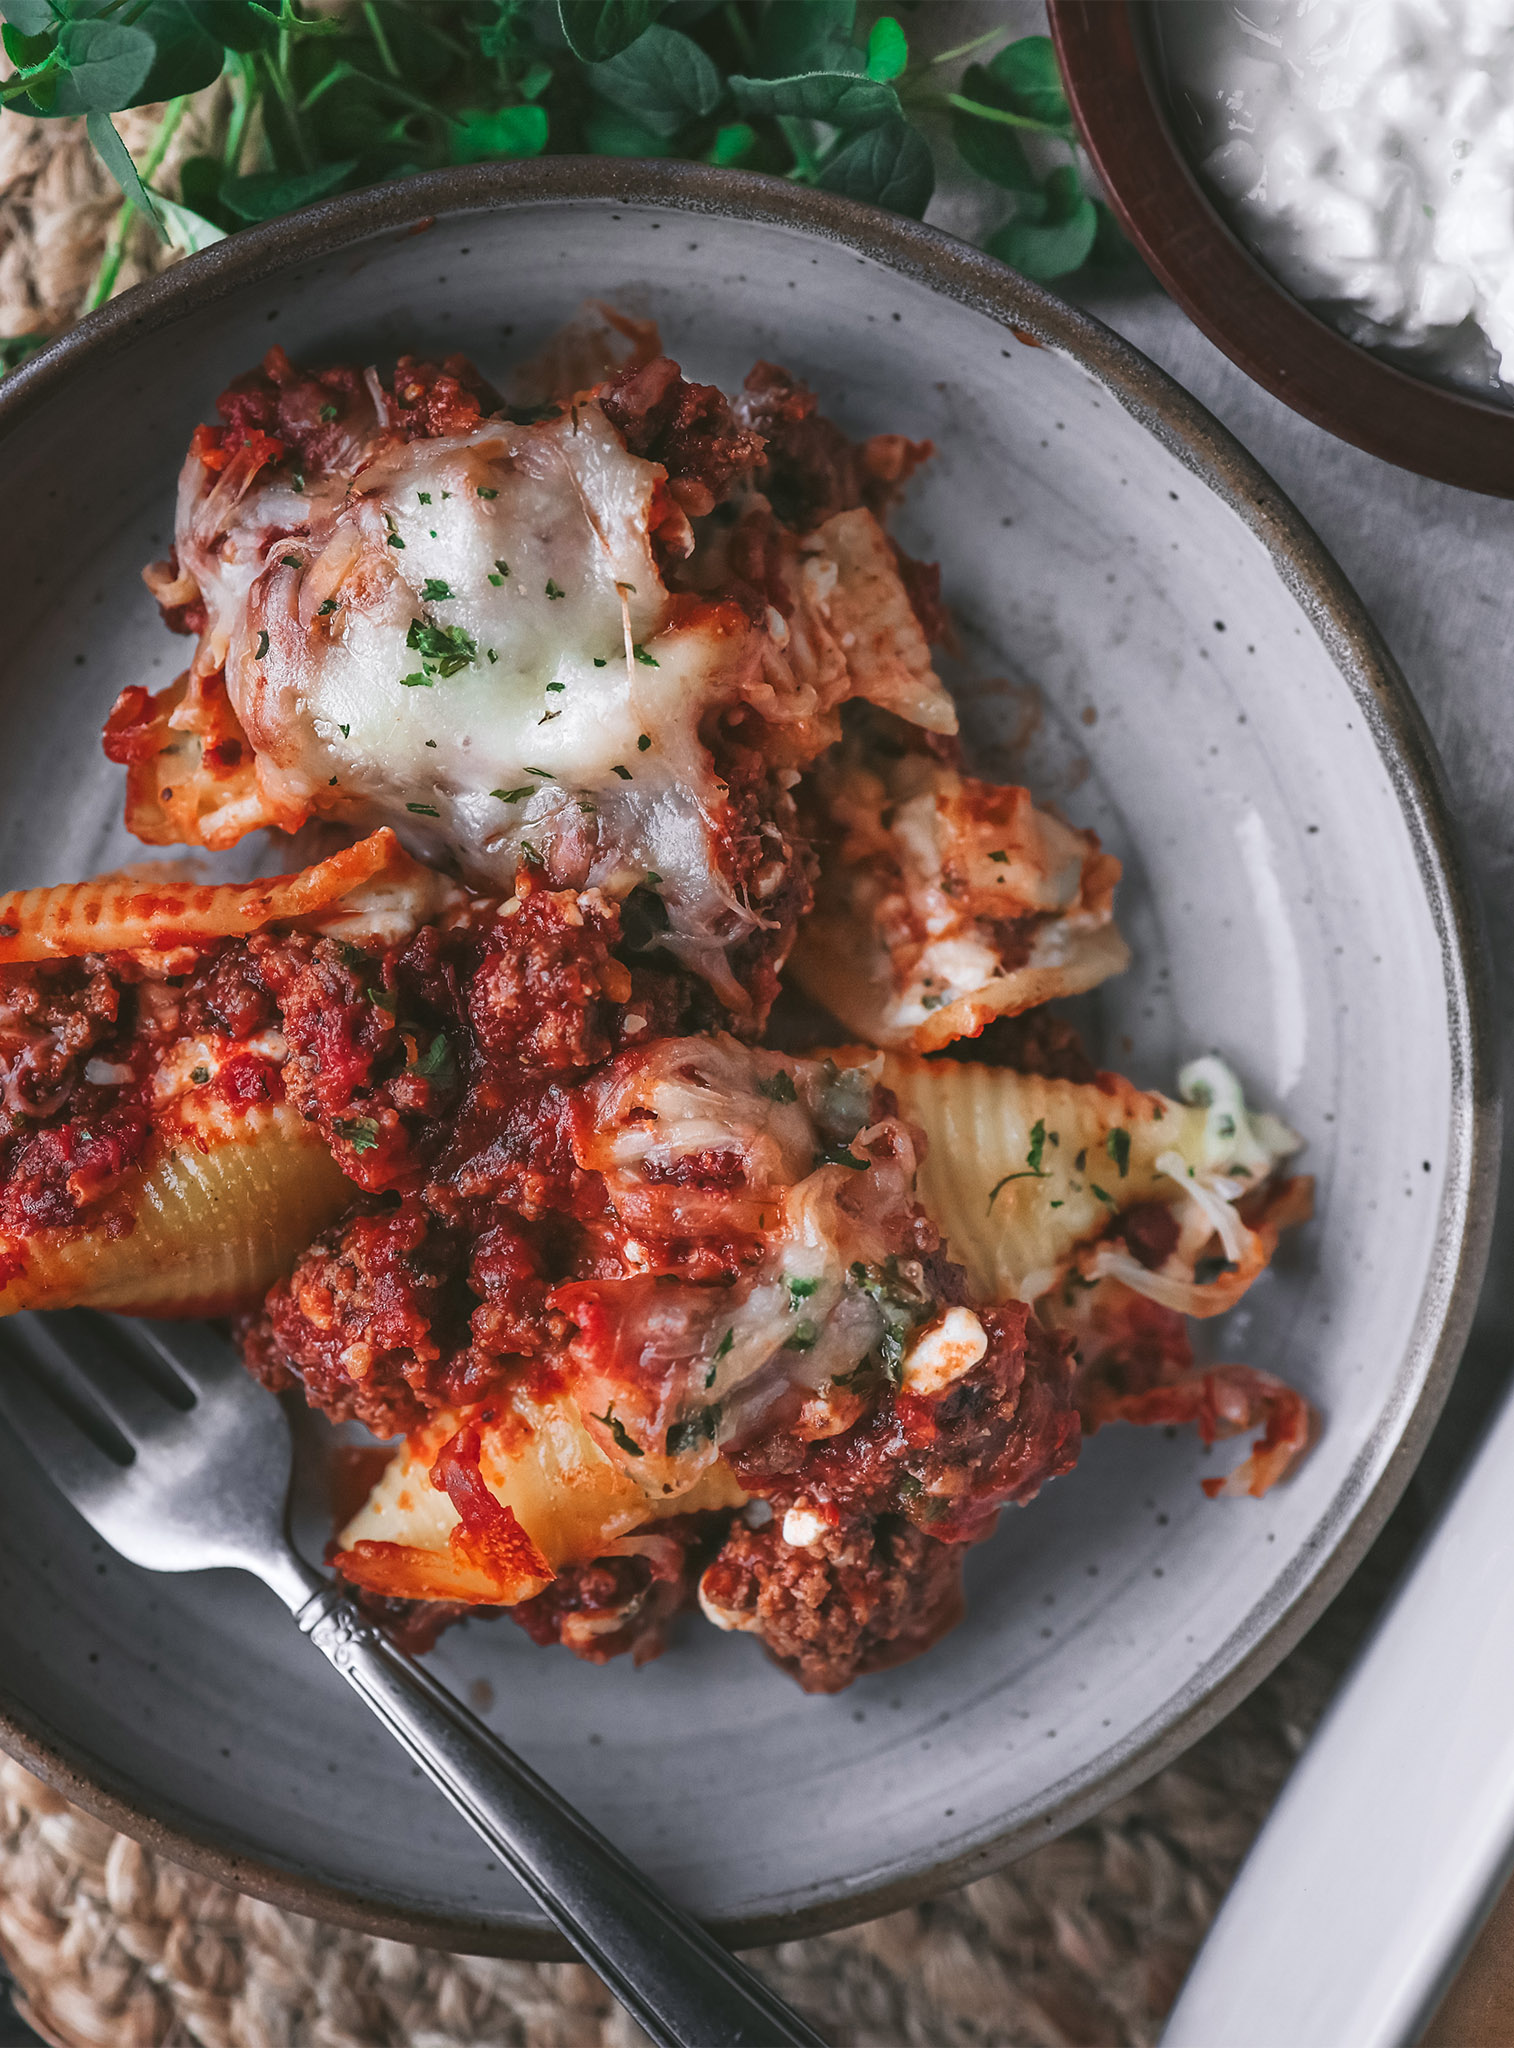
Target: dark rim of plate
{"type": "Point", "coordinates": [1026, 315]}
{"type": "Point", "coordinates": [1109, 62]}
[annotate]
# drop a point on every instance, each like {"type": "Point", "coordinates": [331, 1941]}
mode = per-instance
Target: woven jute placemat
{"type": "Point", "coordinates": [1080, 1945]}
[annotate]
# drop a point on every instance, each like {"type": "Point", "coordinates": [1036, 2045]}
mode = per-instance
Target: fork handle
{"type": "Point", "coordinates": [677, 1982]}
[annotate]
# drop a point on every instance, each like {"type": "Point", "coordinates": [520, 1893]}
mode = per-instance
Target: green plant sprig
{"type": "Point", "coordinates": [332, 102]}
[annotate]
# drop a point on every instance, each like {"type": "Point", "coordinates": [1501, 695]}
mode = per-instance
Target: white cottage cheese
{"type": "Point", "coordinates": [1365, 150]}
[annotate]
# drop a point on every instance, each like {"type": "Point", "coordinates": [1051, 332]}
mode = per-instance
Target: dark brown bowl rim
{"type": "Point", "coordinates": [1106, 49]}
{"type": "Point", "coordinates": [1035, 318]}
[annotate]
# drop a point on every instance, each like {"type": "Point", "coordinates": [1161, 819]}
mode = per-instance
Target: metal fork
{"type": "Point", "coordinates": [174, 1455]}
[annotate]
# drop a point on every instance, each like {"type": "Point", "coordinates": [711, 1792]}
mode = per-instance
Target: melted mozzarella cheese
{"type": "Point", "coordinates": [469, 638]}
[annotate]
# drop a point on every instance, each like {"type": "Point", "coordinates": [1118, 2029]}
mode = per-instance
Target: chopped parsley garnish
{"type": "Point", "coordinates": [395, 541]}
{"type": "Point", "coordinates": [643, 741]}
{"type": "Point", "coordinates": [1081, 1161]}
{"type": "Point", "coordinates": [324, 610]}
{"type": "Point", "coordinates": [1207, 1270]}
{"type": "Point", "coordinates": [646, 660]}
{"type": "Point", "coordinates": [424, 810]}
{"type": "Point", "coordinates": [492, 655]}
{"type": "Point", "coordinates": [558, 687]}
{"type": "Point", "coordinates": [361, 1132]}
{"type": "Point", "coordinates": [488, 491]}
{"type": "Point", "coordinates": [496, 579]}
{"type": "Point", "coordinates": [502, 566]}
{"type": "Point", "coordinates": [801, 1290]}
{"type": "Point", "coordinates": [424, 496]}
{"type": "Point", "coordinates": [262, 645]}
{"type": "Point", "coordinates": [435, 591]}
{"type": "Point", "coordinates": [449, 647]}
{"type": "Point", "coordinates": [600, 664]}
{"type": "Point", "coordinates": [623, 773]}
{"type": "Point", "coordinates": [553, 591]}
{"type": "Point", "coordinates": [1032, 1169]}
{"type": "Point", "coordinates": [290, 561]}
{"type": "Point", "coordinates": [778, 1087]}
{"type": "Point", "coordinates": [199, 1074]}
{"type": "Point", "coordinates": [801, 1337]}
{"type": "Point", "coordinates": [437, 1062]}
{"type": "Point", "coordinates": [297, 479]}
{"type": "Point", "coordinates": [1001, 858]}
{"type": "Point", "coordinates": [619, 1432]}
{"type": "Point", "coordinates": [891, 1356]}
{"type": "Point", "coordinates": [694, 1430]}
{"type": "Point", "coordinates": [723, 1349]}
{"type": "Point", "coordinates": [511, 796]}
{"type": "Point", "coordinates": [419, 680]}
{"type": "Point", "coordinates": [328, 413]}
{"type": "Point", "coordinates": [545, 773]}
{"type": "Point", "coordinates": [1108, 1200]}
{"type": "Point", "coordinates": [1117, 1145]}
{"type": "Point", "coordinates": [345, 731]}
{"type": "Point", "coordinates": [842, 1155]}
{"type": "Point", "coordinates": [429, 743]}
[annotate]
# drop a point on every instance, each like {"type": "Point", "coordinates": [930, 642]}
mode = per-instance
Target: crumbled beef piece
{"type": "Point", "coordinates": [1151, 1231]}
{"type": "Point", "coordinates": [229, 994]}
{"type": "Point", "coordinates": [688, 428]}
{"type": "Point", "coordinates": [52, 1177]}
{"type": "Point", "coordinates": [861, 1598]}
{"type": "Point", "coordinates": [416, 1626]}
{"type": "Point", "coordinates": [307, 412]}
{"type": "Point", "coordinates": [1035, 1042]}
{"type": "Point", "coordinates": [80, 1043]}
{"type": "Point", "coordinates": [370, 1059]}
{"type": "Point", "coordinates": [948, 1463]}
{"type": "Point", "coordinates": [610, 1605]}
{"type": "Point", "coordinates": [371, 1322]}
{"type": "Point", "coordinates": [311, 414]}
{"type": "Point", "coordinates": [538, 998]}
{"type": "Point", "coordinates": [431, 399]}
{"type": "Point", "coordinates": [768, 860]}
{"type": "Point", "coordinates": [812, 469]}
{"type": "Point", "coordinates": [1128, 1347]}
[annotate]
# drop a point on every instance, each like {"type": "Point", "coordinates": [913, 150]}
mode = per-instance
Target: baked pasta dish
{"type": "Point", "coordinates": [607, 716]}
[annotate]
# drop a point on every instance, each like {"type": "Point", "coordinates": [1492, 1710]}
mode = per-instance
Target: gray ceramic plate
{"type": "Point", "coordinates": [1156, 638]}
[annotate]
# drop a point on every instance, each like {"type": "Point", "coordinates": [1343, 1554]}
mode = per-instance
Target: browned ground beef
{"type": "Point", "coordinates": [861, 1598]}
{"type": "Point", "coordinates": [811, 469]}
{"type": "Point", "coordinates": [689, 428]}
{"type": "Point", "coordinates": [611, 1605]}
{"type": "Point", "coordinates": [1035, 1042]}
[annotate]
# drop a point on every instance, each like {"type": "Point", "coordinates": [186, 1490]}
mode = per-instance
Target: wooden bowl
{"type": "Point", "coordinates": [1108, 51]}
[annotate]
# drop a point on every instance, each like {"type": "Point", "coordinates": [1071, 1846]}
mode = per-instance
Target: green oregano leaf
{"type": "Point", "coordinates": [597, 29]}
{"type": "Point", "coordinates": [266, 194]}
{"type": "Point", "coordinates": [478, 136]}
{"type": "Point", "coordinates": [664, 79]}
{"type": "Point", "coordinates": [889, 165]}
{"type": "Point", "coordinates": [836, 96]}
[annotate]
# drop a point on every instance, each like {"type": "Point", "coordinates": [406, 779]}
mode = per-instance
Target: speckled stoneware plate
{"type": "Point", "coordinates": [1151, 634]}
